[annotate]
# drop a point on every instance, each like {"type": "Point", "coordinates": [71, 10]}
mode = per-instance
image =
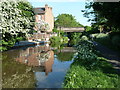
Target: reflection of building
{"type": "Point", "coordinates": [40, 57]}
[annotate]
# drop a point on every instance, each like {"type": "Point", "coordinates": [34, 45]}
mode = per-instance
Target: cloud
{"type": "Point", "coordinates": [57, 0]}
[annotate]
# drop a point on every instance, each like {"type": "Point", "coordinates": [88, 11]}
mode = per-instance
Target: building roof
{"type": "Point", "coordinates": [40, 10]}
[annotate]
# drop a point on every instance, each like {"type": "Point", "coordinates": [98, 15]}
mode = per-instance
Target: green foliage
{"type": "Point", "coordinates": [84, 38]}
{"type": "Point", "coordinates": [110, 40]}
{"type": "Point", "coordinates": [55, 39]}
{"type": "Point", "coordinates": [59, 32]}
{"type": "Point", "coordinates": [116, 40]}
{"type": "Point", "coordinates": [66, 20]}
{"type": "Point", "coordinates": [65, 39]}
{"type": "Point", "coordinates": [105, 14]}
{"type": "Point", "coordinates": [17, 22]}
{"type": "Point", "coordinates": [86, 54]}
{"type": "Point", "coordinates": [27, 12]}
{"type": "Point", "coordinates": [90, 71]}
{"type": "Point", "coordinates": [88, 28]}
{"type": "Point", "coordinates": [8, 41]}
{"type": "Point", "coordinates": [79, 77]}
{"type": "Point", "coordinates": [74, 38]}
{"type": "Point", "coordinates": [65, 56]}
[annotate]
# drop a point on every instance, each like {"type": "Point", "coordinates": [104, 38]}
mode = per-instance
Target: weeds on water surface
{"type": "Point", "coordinates": [89, 70]}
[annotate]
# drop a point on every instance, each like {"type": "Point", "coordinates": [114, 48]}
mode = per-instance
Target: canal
{"type": "Point", "coordinates": [40, 66]}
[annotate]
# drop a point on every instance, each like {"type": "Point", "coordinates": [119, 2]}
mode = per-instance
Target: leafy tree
{"type": "Point", "coordinates": [27, 12]}
{"type": "Point", "coordinates": [105, 14]}
{"type": "Point", "coordinates": [66, 20]}
{"type": "Point", "coordinates": [17, 20]}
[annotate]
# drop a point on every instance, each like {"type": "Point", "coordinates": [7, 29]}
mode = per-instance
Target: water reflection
{"type": "Point", "coordinates": [39, 65]}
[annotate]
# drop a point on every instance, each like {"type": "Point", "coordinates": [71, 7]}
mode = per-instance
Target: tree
{"type": "Point", "coordinates": [105, 14]}
{"type": "Point", "coordinates": [66, 20]}
{"type": "Point", "coordinates": [16, 21]}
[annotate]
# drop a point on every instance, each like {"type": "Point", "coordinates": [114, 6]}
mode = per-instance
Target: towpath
{"type": "Point", "coordinates": [112, 56]}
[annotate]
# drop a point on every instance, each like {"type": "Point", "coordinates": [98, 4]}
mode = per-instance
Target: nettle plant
{"type": "Point", "coordinates": [42, 26]}
{"type": "Point", "coordinates": [86, 54]}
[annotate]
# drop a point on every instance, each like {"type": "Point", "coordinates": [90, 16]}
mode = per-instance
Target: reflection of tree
{"type": "Point", "coordinates": [16, 75]}
{"type": "Point", "coordinates": [46, 61]}
{"type": "Point", "coordinates": [43, 57]}
{"type": "Point", "coordinates": [65, 56]}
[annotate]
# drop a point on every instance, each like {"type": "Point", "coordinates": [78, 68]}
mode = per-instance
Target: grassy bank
{"type": "Point", "coordinates": [89, 70]}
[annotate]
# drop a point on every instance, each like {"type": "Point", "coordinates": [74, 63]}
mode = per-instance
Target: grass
{"type": "Point", "coordinates": [94, 74]}
{"type": "Point", "coordinates": [79, 77]}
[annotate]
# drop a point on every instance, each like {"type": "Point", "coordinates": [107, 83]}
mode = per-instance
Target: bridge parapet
{"type": "Point", "coordinates": [72, 29]}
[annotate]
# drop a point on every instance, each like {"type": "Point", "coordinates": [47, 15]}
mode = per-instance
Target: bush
{"type": "Point", "coordinates": [55, 39]}
{"type": "Point", "coordinates": [116, 40]}
{"type": "Point", "coordinates": [109, 40]}
{"type": "Point", "coordinates": [65, 39]}
{"type": "Point", "coordinates": [86, 54]}
{"type": "Point", "coordinates": [101, 35]}
{"type": "Point", "coordinates": [16, 17]}
{"type": "Point", "coordinates": [84, 38]}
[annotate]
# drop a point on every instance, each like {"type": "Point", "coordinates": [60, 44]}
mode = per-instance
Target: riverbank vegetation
{"type": "Point", "coordinates": [58, 40]}
{"type": "Point", "coordinates": [109, 40]}
{"type": "Point", "coordinates": [104, 21]}
{"type": "Point", "coordinates": [68, 20]}
{"type": "Point", "coordinates": [90, 70]}
{"type": "Point", "coordinates": [17, 19]}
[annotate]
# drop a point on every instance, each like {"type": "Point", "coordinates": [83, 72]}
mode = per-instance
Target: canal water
{"type": "Point", "coordinates": [40, 66]}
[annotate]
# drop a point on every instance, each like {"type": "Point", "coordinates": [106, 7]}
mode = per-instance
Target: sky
{"type": "Point", "coordinates": [73, 7]}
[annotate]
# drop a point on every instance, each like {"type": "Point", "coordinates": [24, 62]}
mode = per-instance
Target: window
{"type": "Point", "coordinates": [39, 17]}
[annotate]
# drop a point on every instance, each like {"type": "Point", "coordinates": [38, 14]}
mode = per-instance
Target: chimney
{"type": "Point", "coordinates": [46, 7]}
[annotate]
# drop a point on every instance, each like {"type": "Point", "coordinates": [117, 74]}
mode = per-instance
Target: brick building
{"type": "Point", "coordinates": [45, 14]}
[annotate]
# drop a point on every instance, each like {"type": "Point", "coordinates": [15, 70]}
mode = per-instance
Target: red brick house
{"type": "Point", "coordinates": [45, 14]}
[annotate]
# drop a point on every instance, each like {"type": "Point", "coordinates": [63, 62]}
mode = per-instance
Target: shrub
{"type": "Point", "coordinates": [65, 39]}
{"type": "Point", "coordinates": [109, 40]}
{"type": "Point", "coordinates": [116, 40]}
{"type": "Point", "coordinates": [16, 17]}
{"type": "Point", "coordinates": [55, 39]}
{"type": "Point", "coordinates": [86, 54]}
{"type": "Point", "coordinates": [101, 35]}
{"type": "Point", "coordinates": [84, 38]}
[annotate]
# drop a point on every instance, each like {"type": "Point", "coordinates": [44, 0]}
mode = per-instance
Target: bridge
{"type": "Point", "coordinates": [71, 29]}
